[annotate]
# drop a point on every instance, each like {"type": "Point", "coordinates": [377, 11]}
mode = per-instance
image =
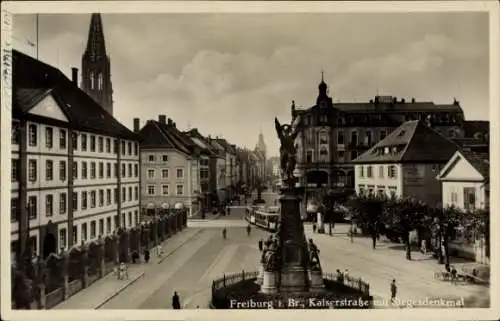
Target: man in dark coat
{"type": "Point", "coordinates": [260, 245]}
{"type": "Point", "coordinates": [176, 302]}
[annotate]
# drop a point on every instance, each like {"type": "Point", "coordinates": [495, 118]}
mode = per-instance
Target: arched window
{"type": "Point", "coordinates": [100, 84]}
{"type": "Point", "coordinates": [92, 80]}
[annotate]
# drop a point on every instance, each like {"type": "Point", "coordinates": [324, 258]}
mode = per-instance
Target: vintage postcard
{"type": "Point", "coordinates": [210, 160]}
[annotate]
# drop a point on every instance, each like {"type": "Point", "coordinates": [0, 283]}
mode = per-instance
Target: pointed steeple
{"type": "Point", "coordinates": [96, 46]}
{"type": "Point", "coordinates": [96, 66]}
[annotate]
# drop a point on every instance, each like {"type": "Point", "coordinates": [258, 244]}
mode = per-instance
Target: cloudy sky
{"type": "Point", "coordinates": [231, 74]}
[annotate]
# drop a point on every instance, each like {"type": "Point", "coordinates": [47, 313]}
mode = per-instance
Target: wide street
{"type": "Point", "coordinates": [206, 256]}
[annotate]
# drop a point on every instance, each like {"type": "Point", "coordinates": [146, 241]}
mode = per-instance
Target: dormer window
{"type": "Point", "coordinates": [386, 150]}
{"type": "Point", "coordinates": [402, 133]}
{"type": "Point", "coordinates": [394, 150]}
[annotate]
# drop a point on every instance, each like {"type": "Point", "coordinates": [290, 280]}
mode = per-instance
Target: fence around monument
{"type": "Point", "coordinates": [44, 283]}
{"type": "Point", "coordinates": [223, 294]}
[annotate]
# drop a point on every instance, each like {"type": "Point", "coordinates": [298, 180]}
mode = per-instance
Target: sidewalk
{"type": "Point", "coordinates": [105, 289]}
{"type": "Point", "coordinates": [208, 216]}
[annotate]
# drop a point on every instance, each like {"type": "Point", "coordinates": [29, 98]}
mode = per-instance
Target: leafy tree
{"type": "Point", "coordinates": [478, 222]}
{"type": "Point", "coordinates": [403, 215]}
{"type": "Point", "coordinates": [366, 212]}
{"type": "Point", "coordinates": [444, 224]}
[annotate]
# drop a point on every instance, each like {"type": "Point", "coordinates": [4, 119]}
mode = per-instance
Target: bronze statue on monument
{"type": "Point", "coordinates": [288, 149]}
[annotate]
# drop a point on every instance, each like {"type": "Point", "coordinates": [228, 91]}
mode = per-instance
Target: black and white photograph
{"type": "Point", "coordinates": [279, 156]}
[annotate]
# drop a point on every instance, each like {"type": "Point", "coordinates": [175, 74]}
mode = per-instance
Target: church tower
{"type": "Point", "coordinates": [96, 71]}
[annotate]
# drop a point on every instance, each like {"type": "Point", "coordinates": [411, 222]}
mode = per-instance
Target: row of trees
{"type": "Point", "coordinates": [395, 218]}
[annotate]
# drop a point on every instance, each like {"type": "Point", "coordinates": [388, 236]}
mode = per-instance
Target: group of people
{"type": "Point", "coordinates": [224, 231]}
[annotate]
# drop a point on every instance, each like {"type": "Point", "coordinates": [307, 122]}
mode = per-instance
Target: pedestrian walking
{"type": "Point", "coordinates": [176, 302]}
{"type": "Point", "coordinates": [453, 275]}
{"type": "Point", "coordinates": [249, 229]}
{"type": "Point", "coordinates": [224, 233]}
{"type": "Point", "coordinates": [394, 290]}
{"type": "Point", "coordinates": [314, 227]}
{"type": "Point", "coordinates": [351, 234]}
{"type": "Point", "coordinates": [340, 276]}
{"type": "Point", "coordinates": [146, 255]}
{"type": "Point", "coordinates": [423, 247]}
{"type": "Point", "coordinates": [135, 257]}
{"type": "Point", "coordinates": [260, 245]}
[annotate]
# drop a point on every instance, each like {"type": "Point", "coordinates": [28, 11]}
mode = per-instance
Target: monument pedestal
{"type": "Point", "coordinates": [317, 283]}
{"type": "Point", "coordinates": [260, 277]}
{"type": "Point", "coordinates": [269, 283]}
{"type": "Point", "coordinates": [293, 279]}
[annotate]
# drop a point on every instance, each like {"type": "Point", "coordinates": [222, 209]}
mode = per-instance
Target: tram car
{"type": "Point", "coordinates": [267, 219]}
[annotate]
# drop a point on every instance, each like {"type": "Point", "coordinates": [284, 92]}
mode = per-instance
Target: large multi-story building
{"type": "Point", "coordinates": [170, 167]}
{"type": "Point", "coordinates": [75, 169]}
{"type": "Point", "coordinates": [334, 134]}
{"type": "Point", "coordinates": [405, 164]}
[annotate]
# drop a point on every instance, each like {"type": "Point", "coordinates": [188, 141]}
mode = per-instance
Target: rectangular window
{"type": "Point", "coordinates": [49, 137]}
{"type": "Point", "coordinates": [354, 137]}
{"type": "Point", "coordinates": [180, 189]}
{"type": "Point", "coordinates": [62, 139]}
{"type": "Point", "coordinates": [84, 170]}
{"type": "Point", "coordinates": [381, 171]}
{"type": "Point", "coordinates": [62, 170]}
{"type": "Point", "coordinates": [101, 197]}
{"type": "Point", "coordinates": [151, 158]}
{"type": "Point", "coordinates": [165, 158]}
{"type": "Point", "coordinates": [115, 169]}
{"type": "Point", "coordinates": [130, 219]}
{"type": "Point", "coordinates": [369, 172]}
{"type": "Point", "coordinates": [124, 194]}
{"type": "Point", "coordinates": [92, 143]}
{"type": "Point", "coordinates": [361, 171]}
{"type": "Point", "coordinates": [32, 170]}
{"type": "Point", "coordinates": [49, 170]}
{"type": "Point", "coordinates": [129, 149]}
{"type": "Point", "coordinates": [368, 138]}
{"type": "Point", "coordinates": [75, 201]}
{"type": "Point", "coordinates": [84, 142]}
{"type": "Point", "coordinates": [164, 189]}
{"type": "Point", "coordinates": [101, 170]}
{"type": "Point", "coordinates": [340, 138]}
{"type": "Point", "coordinates": [74, 141]}
{"type": "Point", "coordinates": [101, 226]}
{"type": "Point", "coordinates": [164, 173]}
{"type": "Point", "coordinates": [14, 169]}
{"type": "Point", "coordinates": [84, 200]}
{"type": "Point", "coordinates": [151, 190]}
{"type": "Point", "coordinates": [75, 234]}
{"type": "Point", "coordinates": [391, 171]}
{"type": "Point", "coordinates": [130, 194]}
{"type": "Point", "coordinates": [93, 229]}
{"type": "Point", "coordinates": [123, 151]}
{"type": "Point", "coordinates": [14, 209]}
{"type": "Point", "coordinates": [108, 224]}
{"type": "Point", "coordinates": [62, 203]}
{"type": "Point", "coordinates": [469, 198]}
{"type": "Point", "coordinates": [101, 144]}
{"type": "Point", "coordinates": [116, 195]}
{"type": "Point", "coordinates": [33, 137]}
{"type": "Point", "coordinates": [151, 173]}
{"type": "Point", "coordinates": [129, 170]}
{"type": "Point", "coordinates": [92, 170]}
{"type": "Point", "coordinates": [15, 133]}
{"type": "Point", "coordinates": [180, 173]}
{"type": "Point", "coordinates": [84, 232]}
{"type": "Point", "coordinates": [115, 146]}
{"type": "Point", "coordinates": [32, 207]}
{"type": "Point", "coordinates": [124, 170]}
{"type": "Point", "coordinates": [108, 170]}
{"type": "Point", "coordinates": [124, 220]}
{"type": "Point", "coordinates": [92, 199]}
{"type": "Point", "coordinates": [108, 145]}
{"type": "Point", "coordinates": [136, 149]}
{"type": "Point", "coordinates": [136, 216]}
{"type": "Point", "coordinates": [136, 170]}
{"type": "Point", "coordinates": [75, 170]}
{"type": "Point", "coordinates": [136, 193]}
{"type": "Point", "coordinates": [62, 238]}
{"type": "Point", "coordinates": [309, 156]}
{"type": "Point", "coordinates": [108, 196]}
{"type": "Point", "coordinates": [454, 198]}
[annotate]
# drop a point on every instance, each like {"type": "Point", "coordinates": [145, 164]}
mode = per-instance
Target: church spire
{"type": "Point", "coordinates": [96, 66]}
{"type": "Point", "coordinates": [96, 46]}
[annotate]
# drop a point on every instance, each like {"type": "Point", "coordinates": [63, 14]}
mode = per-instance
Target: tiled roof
{"type": "Point", "coordinates": [194, 133]}
{"type": "Point", "coordinates": [160, 135]}
{"type": "Point", "coordinates": [33, 80]}
{"type": "Point", "coordinates": [480, 161]}
{"type": "Point", "coordinates": [412, 142]}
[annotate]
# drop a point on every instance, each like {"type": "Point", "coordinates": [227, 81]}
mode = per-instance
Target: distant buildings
{"type": "Point", "coordinates": [337, 133]}
{"type": "Point", "coordinates": [75, 169]}
{"type": "Point", "coordinates": [405, 164]}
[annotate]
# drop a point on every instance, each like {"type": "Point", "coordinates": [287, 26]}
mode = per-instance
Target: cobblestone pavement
{"type": "Point", "coordinates": [207, 256]}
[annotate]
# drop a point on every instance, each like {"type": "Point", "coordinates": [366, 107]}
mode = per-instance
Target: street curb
{"type": "Point", "coordinates": [140, 276]}
{"type": "Point", "coordinates": [178, 247]}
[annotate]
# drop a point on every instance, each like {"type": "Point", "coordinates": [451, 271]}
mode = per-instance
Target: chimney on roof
{"type": "Point", "coordinates": [74, 75]}
{"type": "Point", "coordinates": [173, 124]}
{"type": "Point", "coordinates": [136, 125]}
{"type": "Point", "coordinates": [162, 119]}
{"type": "Point", "coordinates": [403, 100]}
{"type": "Point", "coordinates": [413, 100]}
{"type": "Point", "coordinates": [170, 121]}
